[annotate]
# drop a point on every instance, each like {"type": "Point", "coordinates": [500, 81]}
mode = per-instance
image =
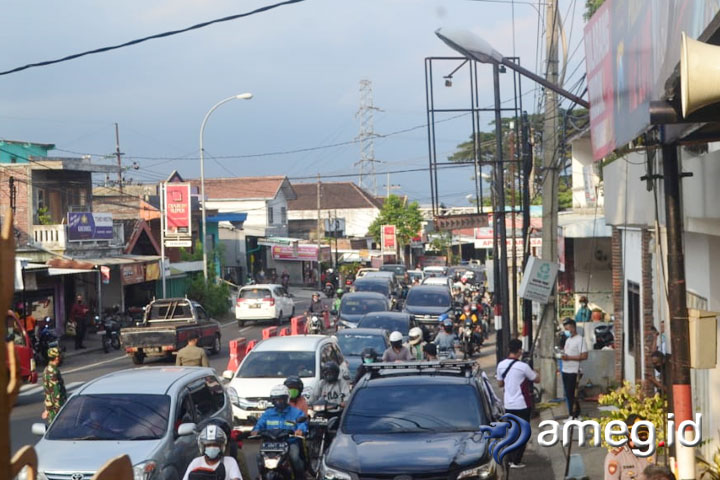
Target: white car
{"type": "Point", "coordinates": [269, 364]}
{"type": "Point", "coordinates": [433, 271]}
{"type": "Point", "coordinates": [364, 271]}
{"type": "Point", "coordinates": [264, 302]}
{"type": "Point", "coordinates": [438, 281]}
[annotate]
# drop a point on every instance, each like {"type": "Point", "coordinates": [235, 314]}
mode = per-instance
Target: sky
{"type": "Point", "coordinates": [302, 62]}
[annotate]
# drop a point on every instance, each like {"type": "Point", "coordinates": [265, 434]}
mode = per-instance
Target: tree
{"type": "Point", "coordinates": [405, 216]}
{"type": "Point", "coordinates": [591, 6]}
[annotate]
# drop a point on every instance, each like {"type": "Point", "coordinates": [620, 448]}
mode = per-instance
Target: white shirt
{"type": "Point", "coordinates": [520, 371]}
{"type": "Point", "coordinates": [232, 471]}
{"type": "Point", "coordinates": [574, 346]}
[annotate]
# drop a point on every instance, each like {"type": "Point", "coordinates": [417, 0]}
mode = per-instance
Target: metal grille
{"type": "Point", "coordinates": [69, 475]}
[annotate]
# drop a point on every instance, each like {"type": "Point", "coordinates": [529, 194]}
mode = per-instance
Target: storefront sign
{"type": "Point", "coordinates": [387, 233]}
{"type": "Point", "coordinates": [305, 253]}
{"type": "Point", "coordinates": [428, 261]}
{"type": "Point", "coordinates": [105, 274]}
{"type": "Point", "coordinates": [488, 242]}
{"type": "Point", "coordinates": [132, 273]}
{"type": "Point", "coordinates": [177, 209]}
{"type": "Point", "coordinates": [538, 280]}
{"type": "Point", "coordinates": [152, 271]}
{"type": "Point", "coordinates": [84, 226]}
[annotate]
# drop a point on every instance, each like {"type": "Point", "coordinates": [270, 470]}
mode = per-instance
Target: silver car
{"type": "Point", "coordinates": [148, 413]}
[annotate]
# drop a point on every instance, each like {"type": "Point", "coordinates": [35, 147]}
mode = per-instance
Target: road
{"type": "Point", "coordinates": [78, 369]}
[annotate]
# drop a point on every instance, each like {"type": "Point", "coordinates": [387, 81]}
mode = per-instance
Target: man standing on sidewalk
{"type": "Point", "coordinates": [574, 352]}
{"type": "Point", "coordinates": [78, 315]}
{"type": "Point", "coordinates": [511, 373]}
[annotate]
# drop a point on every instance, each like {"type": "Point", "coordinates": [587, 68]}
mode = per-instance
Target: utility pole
{"type": "Point", "coordinates": [319, 227]}
{"type": "Point", "coordinates": [119, 157]}
{"type": "Point", "coordinates": [527, 164]}
{"type": "Point", "coordinates": [549, 198]}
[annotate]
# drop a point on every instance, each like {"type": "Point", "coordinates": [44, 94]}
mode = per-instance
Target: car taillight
{"type": "Point", "coordinates": [269, 300]}
{"type": "Point", "coordinates": [239, 301]}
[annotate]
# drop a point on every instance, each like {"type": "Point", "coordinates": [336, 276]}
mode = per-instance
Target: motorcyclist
{"type": "Point", "coordinates": [457, 295]}
{"type": "Point", "coordinates": [316, 306]}
{"type": "Point", "coordinates": [283, 416]}
{"type": "Point", "coordinates": [397, 352]}
{"type": "Point", "coordinates": [369, 356]}
{"type": "Point", "coordinates": [415, 343]}
{"type": "Point", "coordinates": [445, 340]}
{"type": "Point", "coordinates": [234, 444]}
{"type": "Point", "coordinates": [213, 464]}
{"type": "Point", "coordinates": [332, 387]}
{"type": "Point", "coordinates": [336, 303]}
{"type": "Point", "coordinates": [295, 387]}
{"type": "Point", "coordinates": [476, 326]}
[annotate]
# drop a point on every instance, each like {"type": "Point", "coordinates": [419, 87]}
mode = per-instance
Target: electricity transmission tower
{"type": "Point", "coordinates": [365, 113]}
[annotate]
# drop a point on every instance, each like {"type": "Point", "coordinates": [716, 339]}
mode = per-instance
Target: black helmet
{"type": "Point", "coordinates": [294, 382]}
{"type": "Point", "coordinates": [369, 355]}
{"type": "Point", "coordinates": [330, 371]}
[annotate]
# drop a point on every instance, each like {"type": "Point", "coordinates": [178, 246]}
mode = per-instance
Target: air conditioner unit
{"type": "Point", "coordinates": [703, 338]}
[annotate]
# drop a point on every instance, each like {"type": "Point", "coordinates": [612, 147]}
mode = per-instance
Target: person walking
{"type": "Point", "coordinates": [191, 355]}
{"type": "Point", "coordinates": [511, 374]}
{"type": "Point", "coordinates": [574, 352]}
{"type": "Point", "coordinates": [53, 385]}
{"type": "Point", "coordinates": [78, 315]}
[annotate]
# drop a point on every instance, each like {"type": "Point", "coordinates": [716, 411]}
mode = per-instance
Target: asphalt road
{"type": "Point", "coordinates": [78, 369]}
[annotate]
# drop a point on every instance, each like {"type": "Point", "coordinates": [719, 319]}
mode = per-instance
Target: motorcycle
{"type": "Point", "coordinates": [467, 339]}
{"type": "Point", "coordinates": [603, 336]}
{"type": "Point", "coordinates": [110, 332]}
{"type": "Point", "coordinates": [314, 325]}
{"type": "Point", "coordinates": [323, 417]}
{"type": "Point", "coordinates": [46, 339]}
{"type": "Point", "coordinates": [274, 456]}
{"type": "Point", "coordinates": [329, 289]}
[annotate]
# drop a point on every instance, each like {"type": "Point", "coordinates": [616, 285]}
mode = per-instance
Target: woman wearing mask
{"type": "Point", "coordinates": [212, 464]}
{"type": "Point", "coordinates": [295, 386]}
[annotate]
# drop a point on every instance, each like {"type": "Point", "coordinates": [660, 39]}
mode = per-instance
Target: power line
{"type": "Point", "coordinates": [148, 38]}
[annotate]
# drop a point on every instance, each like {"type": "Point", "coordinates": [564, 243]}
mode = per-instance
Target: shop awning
{"type": "Point", "coordinates": [577, 225]}
{"type": "Point", "coordinates": [121, 260]}
{"type": "Point", "coordinates": [272, 241]}
{"type": "Point", "coordinates": [67, 271]}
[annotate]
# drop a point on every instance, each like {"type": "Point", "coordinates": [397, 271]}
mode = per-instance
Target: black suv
{"type": "Point", "coordinates": [415, 420]}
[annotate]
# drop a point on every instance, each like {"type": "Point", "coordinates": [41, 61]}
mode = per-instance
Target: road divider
{"type": "Point", "coordinates": [269, 332]}
{"type": "Point", "coordinates": [237, 349]}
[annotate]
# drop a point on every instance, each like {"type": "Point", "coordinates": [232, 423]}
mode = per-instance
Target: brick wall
{"type": "Point", "coordinates": [618, 290]}
{"type": "Point", "coordinates": [23, 199]}
{"type": "Point", "coordinates": [647, 311]}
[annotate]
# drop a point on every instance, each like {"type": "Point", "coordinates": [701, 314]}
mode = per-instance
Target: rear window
{"type": "Point", "coordinates": [434, 298]}
{"type": "Point", "coordinates": [160, 312]}
{"type": "Point", "coordinates": [353, 343]}
{"type": "Point", "coordinates": [361, 307]}
{"type": "Point", "coordinates": [418, 408]}
{"type": "Point", "coordinates": [401, 325]}
{"type": "Point", "coordinates": [377, 287]}
{"type": "Point", "coordinates": [278, 365]}
{"type": "Point", "coordinates": [396, 269]}
{"type": "Point", "coordinates": [255, 293]}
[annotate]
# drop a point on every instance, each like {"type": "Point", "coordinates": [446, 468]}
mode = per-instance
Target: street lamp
{"type": "Point", "coordinates": [242, 96]}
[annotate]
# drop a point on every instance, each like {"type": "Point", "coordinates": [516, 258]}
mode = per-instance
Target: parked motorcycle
{"type": "Point", "coordinates": [603, 336]}
{"type": "Point", "coordinates": [46, 339]}
{"type": "Point", "coordinates": [109, 328]}
{"type": "Point", "coordinates": [274, 455]}
{"type": "Point", "coordinates": [323, 417]}
{"type": "Point", "coordinates": [315, 325]}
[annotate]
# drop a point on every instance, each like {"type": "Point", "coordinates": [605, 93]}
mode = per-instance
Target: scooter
{"type": "Point", "coordinates": [46, 339]}
{"type": "Point", "coordinates": [323, 417]}
{"type": "Point", "coordinates": [274, 455]}
{"type": "Point", "coordinates": [467, 340]}
{"type": "Point", "coordinates": [110, 333]}
{"type": "Point", "coordinates": [315, 325]}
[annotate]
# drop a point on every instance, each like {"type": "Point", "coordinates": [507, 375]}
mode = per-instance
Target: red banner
{"type": "Point", "coordinates": [388, 237]}
{"type": "Point", "coordinates": [307, 253]}
{"type": "Point", "coordinates": [177, 209]}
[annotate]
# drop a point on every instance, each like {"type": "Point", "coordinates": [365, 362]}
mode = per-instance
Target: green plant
{"type": "Point", "coordinates": [43, 216]}
{"type": "Point", "coordinates": [710, 471]}
{"type": "Point", "coordinates": [211, 295]}
{"type": "Point", "coordinates": [195, 255]}
{"type": "Point", "coordinates": [630, 399]}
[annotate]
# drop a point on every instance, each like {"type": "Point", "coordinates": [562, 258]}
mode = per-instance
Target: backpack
{"type": "Point", "coordinates": [525, 387]}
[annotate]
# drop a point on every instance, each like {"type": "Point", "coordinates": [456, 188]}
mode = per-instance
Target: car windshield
{"type": "Point", "coordinates": [420, 298]}
{"type": "Point", "coordinates": [362, 306]}
{"type": "Point", "coordinates": [418, 408]}
{"type": "Point", "coordinates": [254, 293]}
{"type": "Point", "coordinates": [278, 365]}
{"type": "Point", "coordinates": [353, 343]}
{"type": "Point", "coordinates": [377, 287]}
{"type": "Point", "coordinates": [121, 416]}
{"type": "Point", "coordinates": [390, 324]}
{"type": "Point", "coordinates": [396, 269]}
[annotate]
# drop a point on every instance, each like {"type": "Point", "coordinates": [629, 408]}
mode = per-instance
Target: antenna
{"type": "Point", "coordinates": [367, 134]}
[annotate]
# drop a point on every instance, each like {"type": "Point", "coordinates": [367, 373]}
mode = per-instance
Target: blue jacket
{"type": "Point", "coordinates": [272, 419]}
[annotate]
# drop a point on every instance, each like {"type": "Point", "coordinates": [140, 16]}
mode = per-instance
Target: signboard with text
{"type": "Point", "coordinates": [388, 240]}
{"type": "Point", "coordinates": [306, 253]}
{"type": "Point", "coordinates": [84, 226]}
{"type": "Point", "coordinates": [538, 280]}
{"type": "Point", "coordinates": [177, 209]}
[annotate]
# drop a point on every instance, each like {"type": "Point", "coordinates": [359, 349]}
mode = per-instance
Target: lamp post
{"type": "Point", "coordinates": [242, 96]}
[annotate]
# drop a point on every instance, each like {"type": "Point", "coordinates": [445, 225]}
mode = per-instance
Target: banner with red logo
{"type": "Point", "coordinates": [177, 209]}
{"type": "Point", "coordinates": [388, 240]}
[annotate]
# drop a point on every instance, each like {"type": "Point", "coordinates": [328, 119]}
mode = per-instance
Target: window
{"type": "Point", "coordinates": [270, 216]}
{"type": "Point", "coordinates": [185, 411]}
{"type": "Point", "coordinates": [13, 159]}
{"type": "Point", "coordinates": [202, 314]}
{"type": "Point", "coordinates": [278, 365]}
{"type": "Point", "coordinates": [283, 215]}
{"type": "Point", "coordinates": [207, 396]}
{"type": "Point", "coordinates": [633, 326]}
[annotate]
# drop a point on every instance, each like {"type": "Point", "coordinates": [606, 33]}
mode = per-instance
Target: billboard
{"type": "Point", "coordinates": [307, 253]}
{"type": "Point", "coordinates": [387, 237]}
{"type": "Point", "coordinates": [177, 209]}
{"type": "Point", "coordinates": [84, 226]}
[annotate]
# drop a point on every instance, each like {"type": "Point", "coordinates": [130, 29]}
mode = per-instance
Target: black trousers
{"type": "Point", "coordinates": [79, 334]}
{"type": "Point", "coordinates": [569, 382]}
{"type": "Point", "coordinates": [516, 456]}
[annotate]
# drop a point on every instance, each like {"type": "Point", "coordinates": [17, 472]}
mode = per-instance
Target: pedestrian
{"type": "Point", "coordinates": [583, 314]}
{"type": "Point", "coordinates": [621, 463]}
{"type": "Point", "coordinates": [53, 385]}
{"type": "Point", "coordinates": [511, 375]}
{"type": "Point", "coordinates": [397, 352]}
{"type": "Point", "coordinates": [78, 316]}
{"type": "Point", "coordinates": [191, 355]}
{"type": "Point", "coordinates": [574, 352]}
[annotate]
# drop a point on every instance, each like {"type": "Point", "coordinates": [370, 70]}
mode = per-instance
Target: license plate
{"type": "Point", "coordinates": [273, 446]}
{"type": "Point", "coordinates": [319, 421]}
{"type": "Point", "coordinates": [254, 305]}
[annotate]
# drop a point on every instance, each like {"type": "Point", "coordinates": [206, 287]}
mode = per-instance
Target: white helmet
{"type": "Point", "coordinates": [279, 396]}
{"type": "Point", "coordinates": [416, 335]}
{"type": "Point", "coordinates": [211, 435]}
{"type": "Point", "coordinates": [396, 337]}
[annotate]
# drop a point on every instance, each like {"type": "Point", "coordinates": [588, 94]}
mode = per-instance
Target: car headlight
{"type": "Point", "coordinates": [144, 470]}
{"type": "Point", "coordinates": [245, 403]}
{"type": "Point", "coordinates": [23, 474]}
{"type": "Point", "coordinates": [234, 398]}
{"type": "Point", "coordinates": [482, 472]}
{"type": "Point", "coordinates": [271, 463]}
{"type": "Point", "coordinates": [329, 473]}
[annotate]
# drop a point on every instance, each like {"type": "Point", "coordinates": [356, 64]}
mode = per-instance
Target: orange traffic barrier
{"type": "Point", "coordinates": [237, 353]}
{"type": "Point", "coordinates": [285, 332]}
{"type": "Point", "coordinates": [250, 345]}
{"type": "Point", "coordinates": [298, 325]}
{"type": "Point", "coordinates": [269, 332]}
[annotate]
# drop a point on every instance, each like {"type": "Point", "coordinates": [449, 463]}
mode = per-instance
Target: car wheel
{"type": "Point", "coordinates": [241, 323]}
{"type": "Point", "coordinates": [215, 349]}
{"type": "Point", "coordinates": [278, 320]}
{"type": "Point", "coordinates": [138, 358]}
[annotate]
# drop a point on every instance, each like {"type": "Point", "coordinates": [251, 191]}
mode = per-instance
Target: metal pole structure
{"type": "Point", "coordinates": [119, 157]}
{"type": "Point", "coordinates": [162, 238]}
{"type": "Point", "coordinates": [526, 171]}
{"type": "Point", "coordinates": [677, 304]}
{"type": "Point", "coordinates": [502, 285]}
{"type": "Point", "coordinates": [337, 233]}
{"type": "Point", "coordinates": [318, 232]}
{"type": "Point", "coordinates": [99, 291]}
{"type": "Point", "coordinates": [549, 201]}
{"type": "Point", "coordinates": [242, 96]}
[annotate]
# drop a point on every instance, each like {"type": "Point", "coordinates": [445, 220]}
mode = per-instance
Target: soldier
{"type": "Point", "coordinates": [621, 463]}
{"type": "Point", "coordinates": [191, 355]}
{"type": "Point", "coordinates": [53, 385]}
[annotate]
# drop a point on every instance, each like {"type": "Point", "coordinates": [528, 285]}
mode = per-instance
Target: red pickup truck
{"type": "Point", "coordinates": [23, 347]}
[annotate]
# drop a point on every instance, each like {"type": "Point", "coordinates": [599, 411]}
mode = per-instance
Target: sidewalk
{"type": "Point", "coordinates": [92, 342]}
{"type": "Point", "coordinates": [549, 462]}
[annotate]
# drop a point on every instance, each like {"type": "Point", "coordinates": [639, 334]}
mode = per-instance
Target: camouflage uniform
{"type": "Point", "coordinates": [622, 464]}
{"type": "Point", "coordinates": [55, 394]}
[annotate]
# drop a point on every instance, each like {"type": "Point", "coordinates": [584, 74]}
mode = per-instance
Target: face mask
{"type": "Point", "coordinates": [367, 360]}
{"type": "Point", "coordinates": [212, 452]}
{"type": "Point", "coordinates": [566, 333]}
{"type": "Point", "coordinates": [294, 393]}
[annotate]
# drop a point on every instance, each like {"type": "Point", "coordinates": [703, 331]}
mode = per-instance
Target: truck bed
{"type": "Point", "coordinates": [153, 336]}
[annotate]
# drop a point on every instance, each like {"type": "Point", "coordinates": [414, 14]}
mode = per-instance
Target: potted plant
{"type": "Point", "coordinates": [597, 315]}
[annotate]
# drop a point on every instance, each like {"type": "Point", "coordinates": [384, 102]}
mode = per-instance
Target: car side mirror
{"type": "Point", "coordinates": [186, 429]}
{"type": "Point", "coordinates": [38, 429]}
{"type": "Point", "coordinates": [228, 374]}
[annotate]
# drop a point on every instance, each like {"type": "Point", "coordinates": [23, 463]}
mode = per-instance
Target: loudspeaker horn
{"type": "Point", "coordinates": [699, 75]}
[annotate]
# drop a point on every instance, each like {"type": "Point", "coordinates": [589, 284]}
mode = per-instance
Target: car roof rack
{"type": "Point", "coordinates": [465, 368]}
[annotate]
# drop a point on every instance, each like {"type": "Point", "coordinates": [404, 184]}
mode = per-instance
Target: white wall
{"type": "Point", "coordinates": [256, 223]}
{"type": "Point", "coordinates": [584, 175]}
{"type": "Point", "coordinates": [627, 201]}
{"type": "Point", "coordinates": [235, 251]}
{"type": "Point", "coordinates": [632, 259]}
{"type": "Point", "coordinates": [357, 220]}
